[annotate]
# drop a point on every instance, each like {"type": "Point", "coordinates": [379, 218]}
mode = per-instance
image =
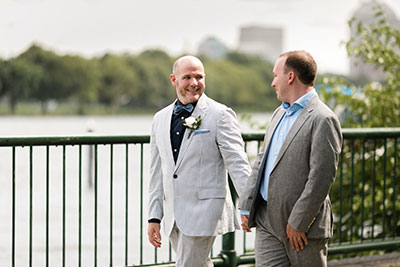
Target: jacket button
{"type": "Point", "coordinates": [175, 176]}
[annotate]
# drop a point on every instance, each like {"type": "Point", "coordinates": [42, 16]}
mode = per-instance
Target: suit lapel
{"type": "Point", "coordinates": [200, 109]}
{"type": "Point", "coordinates": [271, 129]}
{"type": "Point", "coordinates": [166, 124]}
{"type": "Point", "coordinates": [303, 117]}
{"type": "Point", "coordinates": [267, 141]}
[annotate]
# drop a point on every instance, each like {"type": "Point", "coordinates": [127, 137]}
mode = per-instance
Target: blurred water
{"type": "Point", "coordinates": [114, 125]}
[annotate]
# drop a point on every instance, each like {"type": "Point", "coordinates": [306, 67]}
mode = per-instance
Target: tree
{"type": "Point", "coordinates": [375, 104]}
{"type": "Point", "coordinates": [82, 80]}
{"type": "Point", "coordinates": [372, 105]}
{"type": "Point", "coordinates": [18, 78]}
{"type": "Point", "coordinates": [51, 86]}
{"type": "Point", "coordinates": [118, 81]}
{"type": "Point", "coordinates": [154, 67]}
{"type": "Point", "coordinates": [235, 85]}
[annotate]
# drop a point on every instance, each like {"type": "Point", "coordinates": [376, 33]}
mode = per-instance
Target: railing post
{"type": "Point", "coordinates": [228, 252]}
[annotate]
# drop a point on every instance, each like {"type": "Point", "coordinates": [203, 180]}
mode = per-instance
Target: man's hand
{"type": "Point", "coordinates": [245, 223]}
{"type": "Point", "coordinates": [297, 239]}
{"type": "Point", "coordinates": [153, 231]}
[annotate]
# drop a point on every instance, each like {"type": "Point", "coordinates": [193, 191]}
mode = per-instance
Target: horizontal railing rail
{"type": "Point", "coordinates": [81, 201]}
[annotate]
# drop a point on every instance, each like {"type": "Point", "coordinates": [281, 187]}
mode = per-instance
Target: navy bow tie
{"type": "Point", "coordinates": [179, 107]}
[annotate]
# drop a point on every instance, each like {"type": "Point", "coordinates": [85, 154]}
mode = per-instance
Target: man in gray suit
{"type": "Point", "coordinates": [286, 197]}
{"type": "Point", "coordinates": [194, 142]}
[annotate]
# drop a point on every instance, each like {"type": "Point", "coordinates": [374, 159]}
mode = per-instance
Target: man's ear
{"type": "Point", "coordinates": [291, 77]}
{"type": "Point", "coordinates": [173, 80]}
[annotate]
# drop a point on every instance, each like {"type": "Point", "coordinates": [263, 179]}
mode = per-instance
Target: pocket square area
{"type": "Point", "coordinates": [201, 131]}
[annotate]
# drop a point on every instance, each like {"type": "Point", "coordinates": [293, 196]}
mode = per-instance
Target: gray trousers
{"type": "Point", "coordinates": [191, 251]}
{"type": "Point", "coordinates": [272, 250]}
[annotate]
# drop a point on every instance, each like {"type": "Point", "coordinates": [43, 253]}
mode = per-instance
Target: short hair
{"type": "Point", "coordinates": [302, 64]}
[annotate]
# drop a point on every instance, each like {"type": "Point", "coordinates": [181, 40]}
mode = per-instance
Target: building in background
{"type": "Point", "coordinates": [265, 42]}
{"type": "Point", "coordinates": [212, 48]}
{"type": "Point", "coordinates": [359, 70]}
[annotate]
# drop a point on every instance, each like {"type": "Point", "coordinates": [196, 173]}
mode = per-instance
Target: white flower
{"type": "Point", "coordinates": [192, 123]}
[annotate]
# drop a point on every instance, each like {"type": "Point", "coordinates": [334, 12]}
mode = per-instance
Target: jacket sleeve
{"type": "Point", "coordinates": [324, 157]}
{"type": "Point", "coordinates": [231, 147]}
{"type": "Point", "coordinates": [156, 190]}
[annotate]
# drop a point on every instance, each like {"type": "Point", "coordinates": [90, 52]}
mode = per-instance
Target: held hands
{"type": "Point", "coordinates": [245, 223]}
{"type": "Point", "coordinates": [153, 231]}
{"type": "Point", "coordinates": [296, 238]}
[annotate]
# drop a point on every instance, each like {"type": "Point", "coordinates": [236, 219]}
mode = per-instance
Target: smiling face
{"type": "Point", "coordinates": [188, 79]}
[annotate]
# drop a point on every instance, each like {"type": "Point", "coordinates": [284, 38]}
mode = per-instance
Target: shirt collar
{"type": "Point", "coordinates": [299, 103]}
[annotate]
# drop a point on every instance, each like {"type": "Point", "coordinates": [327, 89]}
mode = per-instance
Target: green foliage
{"type": "Point", "coordinates": [156, 88]}
{"type": "Point", "coordinates": [133, 82]}
{"type": "Point", "coordinates": [368, 184]}
{"type": "Point", "coordinates": [18, 77]}
{"type": "Point", "coordinates": [365, 199]}
{"type": "Point", "coordinates": [118, 83]}
{"type": "Point", "coordinates": [241, 81]}
{"type": "Point", "coordinates": [54, 83]}
{"type": "Point", "coordinates": [375, 104]}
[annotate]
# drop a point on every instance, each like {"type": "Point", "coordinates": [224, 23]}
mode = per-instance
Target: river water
{"type": "Point", "coordinates": [111, 125]}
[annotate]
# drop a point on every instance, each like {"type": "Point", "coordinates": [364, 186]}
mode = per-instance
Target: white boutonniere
{"type": "Point", "coordinates": [192, 123]}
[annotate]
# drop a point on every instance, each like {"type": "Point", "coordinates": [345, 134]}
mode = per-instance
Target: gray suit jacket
{"type": "Point", "coordinates": [303, 173]}
{"type": "Point", "coordinates": [194, 192]}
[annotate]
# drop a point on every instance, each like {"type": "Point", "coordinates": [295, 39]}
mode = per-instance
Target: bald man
{"type": "Point", "coordinates": [194, 142]}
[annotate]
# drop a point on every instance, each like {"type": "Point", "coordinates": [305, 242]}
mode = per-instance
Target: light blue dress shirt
{"type": "Point", "coordinates": [280, 133]}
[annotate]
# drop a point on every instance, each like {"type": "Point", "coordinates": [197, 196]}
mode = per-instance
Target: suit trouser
{"type": "Point", "coordinates": [272, 250]}
{"type": "Point", "coordinates": [191, 251]}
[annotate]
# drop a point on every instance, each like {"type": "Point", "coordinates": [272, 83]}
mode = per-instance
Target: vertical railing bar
{"type": "Point", "coordinates": [170, 252]}
{"type": "Point", "coordinates": [47, 202]}
{"type": "Point", "coordinates": [63, 203]}
{"type": "Point", "coordinates": [244, 233]}
{"type": "Point", "coordinates": [13, 209]}
{"type": "Point", "coordinates": [95, 203]}
{"type": "Point", "coordinates": [126, 201]}
{"type": "Point", "coordinates": [244, 242]}
{"type": "Point", "coordinates": [80, 209]}
{"type": "Point", "coordinates": [341, 195]}
{"type": "Point", "coordinates": [384, 188]}
{"type": "Point", "coordinates": [363, 191]}
{"type": "Point", "coordinates": [30, 203]}
{"type": "Point", "coordinates": [373, 189]}
{"type": "Point", "coordinates": [394, 189]}
{"type": "Point", "coordinates": [352, 192]}
{"type": "Point", "coordinates": [141, 203]}
{"type": "Point", "coordinates": [375, 186]}
{"type": "Point", "coordinates": [111, 203]}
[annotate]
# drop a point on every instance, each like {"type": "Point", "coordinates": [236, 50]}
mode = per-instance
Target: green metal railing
{"type": "Point", "coordinates": [365, 195]}
{"type": "Point", "coordinates": [56, 219]}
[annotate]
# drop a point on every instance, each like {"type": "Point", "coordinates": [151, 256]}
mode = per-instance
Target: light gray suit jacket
{"type": "Point", "coordinates": [303, 173]}
{"type": "Point", "coordinates": [194, 192]}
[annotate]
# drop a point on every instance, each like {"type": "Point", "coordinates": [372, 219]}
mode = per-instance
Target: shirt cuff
{"type": "Point", "coordinates": [154, 220]}
{"type": "Point", "coordinates": [244, 212]}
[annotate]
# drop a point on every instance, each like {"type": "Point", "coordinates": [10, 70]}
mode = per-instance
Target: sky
{"type": "Point", "coordinates": [94, 27]}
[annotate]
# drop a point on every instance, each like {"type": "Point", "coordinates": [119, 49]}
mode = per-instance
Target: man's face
{"type": "Point", "coordinates": [281, 79]}
{"type": "Point", "coordinates": [189, 81]}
